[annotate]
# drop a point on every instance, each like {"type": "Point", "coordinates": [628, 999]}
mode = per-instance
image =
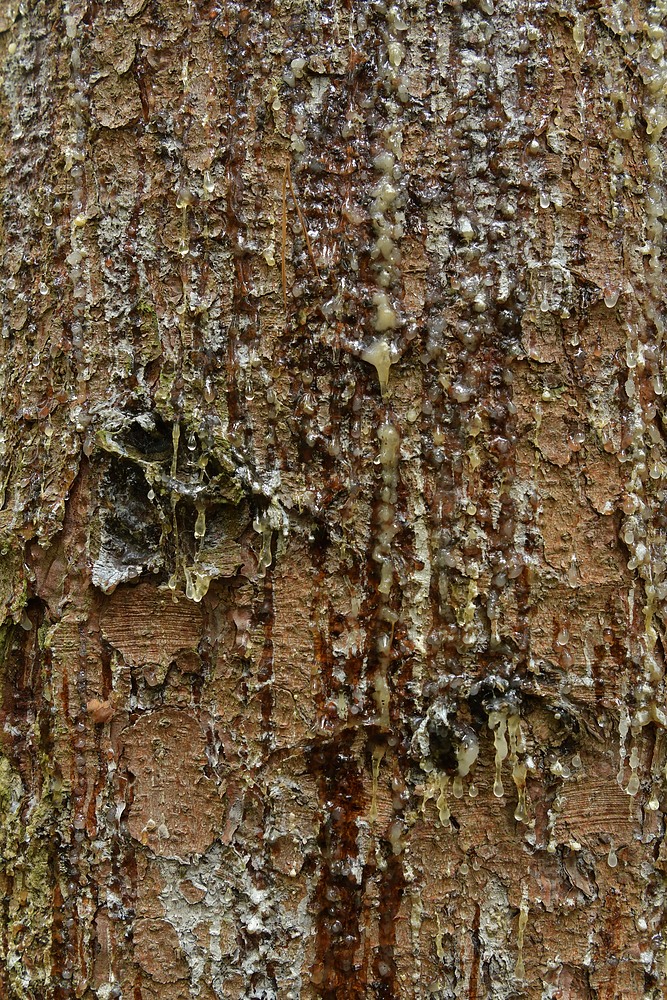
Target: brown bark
{"type": "Point", "coordinates": [333, 488]}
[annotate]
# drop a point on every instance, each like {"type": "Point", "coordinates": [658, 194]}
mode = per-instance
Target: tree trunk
{"type": "Point", "coordinates": [333, 527]}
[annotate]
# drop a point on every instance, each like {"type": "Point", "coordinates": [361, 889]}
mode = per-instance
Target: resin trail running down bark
{"type": "Point", "coordinates": [333, 471]}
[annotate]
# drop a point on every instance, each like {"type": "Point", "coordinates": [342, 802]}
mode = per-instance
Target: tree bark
{"type": "Point", "coordinates": [333, 490]}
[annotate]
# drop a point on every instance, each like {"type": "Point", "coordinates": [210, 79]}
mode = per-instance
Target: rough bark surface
{"type": "Point", "coordinates": [333, 500]}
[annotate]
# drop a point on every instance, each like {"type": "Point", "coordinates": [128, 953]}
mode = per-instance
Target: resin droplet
{"type": "Point", "coordinates": [633, 783]}
{"type": "Point", "coordinates": [442, 802]}
{"type": "Point", "coordinates": [385, 318]}
{"type": "Point", "coordinates": [520, 969]}
{"type": "Point", "coordinates": [200, 524]}
{"type": "Point", "coordinates": [379, 355]}
{"type": "Point", "coordinates": [498, 723]}
{"type": "Point", "coordinates": [467, 753]}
